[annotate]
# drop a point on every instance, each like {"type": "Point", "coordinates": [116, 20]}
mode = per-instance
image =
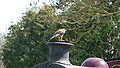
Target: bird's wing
{"type": "Point", "coordinates": [60, 31]}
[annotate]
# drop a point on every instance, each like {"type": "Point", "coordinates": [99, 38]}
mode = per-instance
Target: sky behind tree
{"type": "Point", "coordinates": [11, 11]}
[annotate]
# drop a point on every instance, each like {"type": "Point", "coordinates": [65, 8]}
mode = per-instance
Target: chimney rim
{"type": "Point", "coordinates": [60, 43]}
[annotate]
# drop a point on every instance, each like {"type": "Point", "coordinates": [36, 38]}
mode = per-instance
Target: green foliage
{"type": "Point", "coordinates": [26, 39]}
{"type": "Point", "coordinates": [1, 47]}
{"type": "Point", "coordinates": [93, 27]}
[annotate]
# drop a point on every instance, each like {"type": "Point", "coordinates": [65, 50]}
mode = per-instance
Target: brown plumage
{"type": "Point", "coordinates": [58, 35]}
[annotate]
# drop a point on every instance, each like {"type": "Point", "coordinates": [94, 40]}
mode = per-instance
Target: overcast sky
{"type": "Point", "coordinates": [11, 11]}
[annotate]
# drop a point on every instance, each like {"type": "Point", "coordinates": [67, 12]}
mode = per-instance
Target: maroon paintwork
{"type": "Point", "coordinates": [113, 63]}
{"type": "Point", "coordinates": [95, 62]}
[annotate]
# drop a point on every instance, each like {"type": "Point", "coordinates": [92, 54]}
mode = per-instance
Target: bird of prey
{"type": "Point", "coordinates": [58, 35]}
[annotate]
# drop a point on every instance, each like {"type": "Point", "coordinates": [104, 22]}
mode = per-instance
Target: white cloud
{"type": "Point", "coordinates": [11, 10]}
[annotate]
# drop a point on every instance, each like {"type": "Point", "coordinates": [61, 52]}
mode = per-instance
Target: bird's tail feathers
{"type": "Point", "coordinates": [54, 36]}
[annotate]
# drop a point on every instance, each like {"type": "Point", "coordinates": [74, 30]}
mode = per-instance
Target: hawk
{"type": "Point", "coordinates": [58, 35]}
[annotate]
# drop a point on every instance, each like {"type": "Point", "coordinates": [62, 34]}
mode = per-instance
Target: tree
{"type": "Point", "coordinates": [93, 27]}
{"type": "Point", "coordinates": [26, 39]}
{"type": "Point", "coordinates": [1, 47]}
